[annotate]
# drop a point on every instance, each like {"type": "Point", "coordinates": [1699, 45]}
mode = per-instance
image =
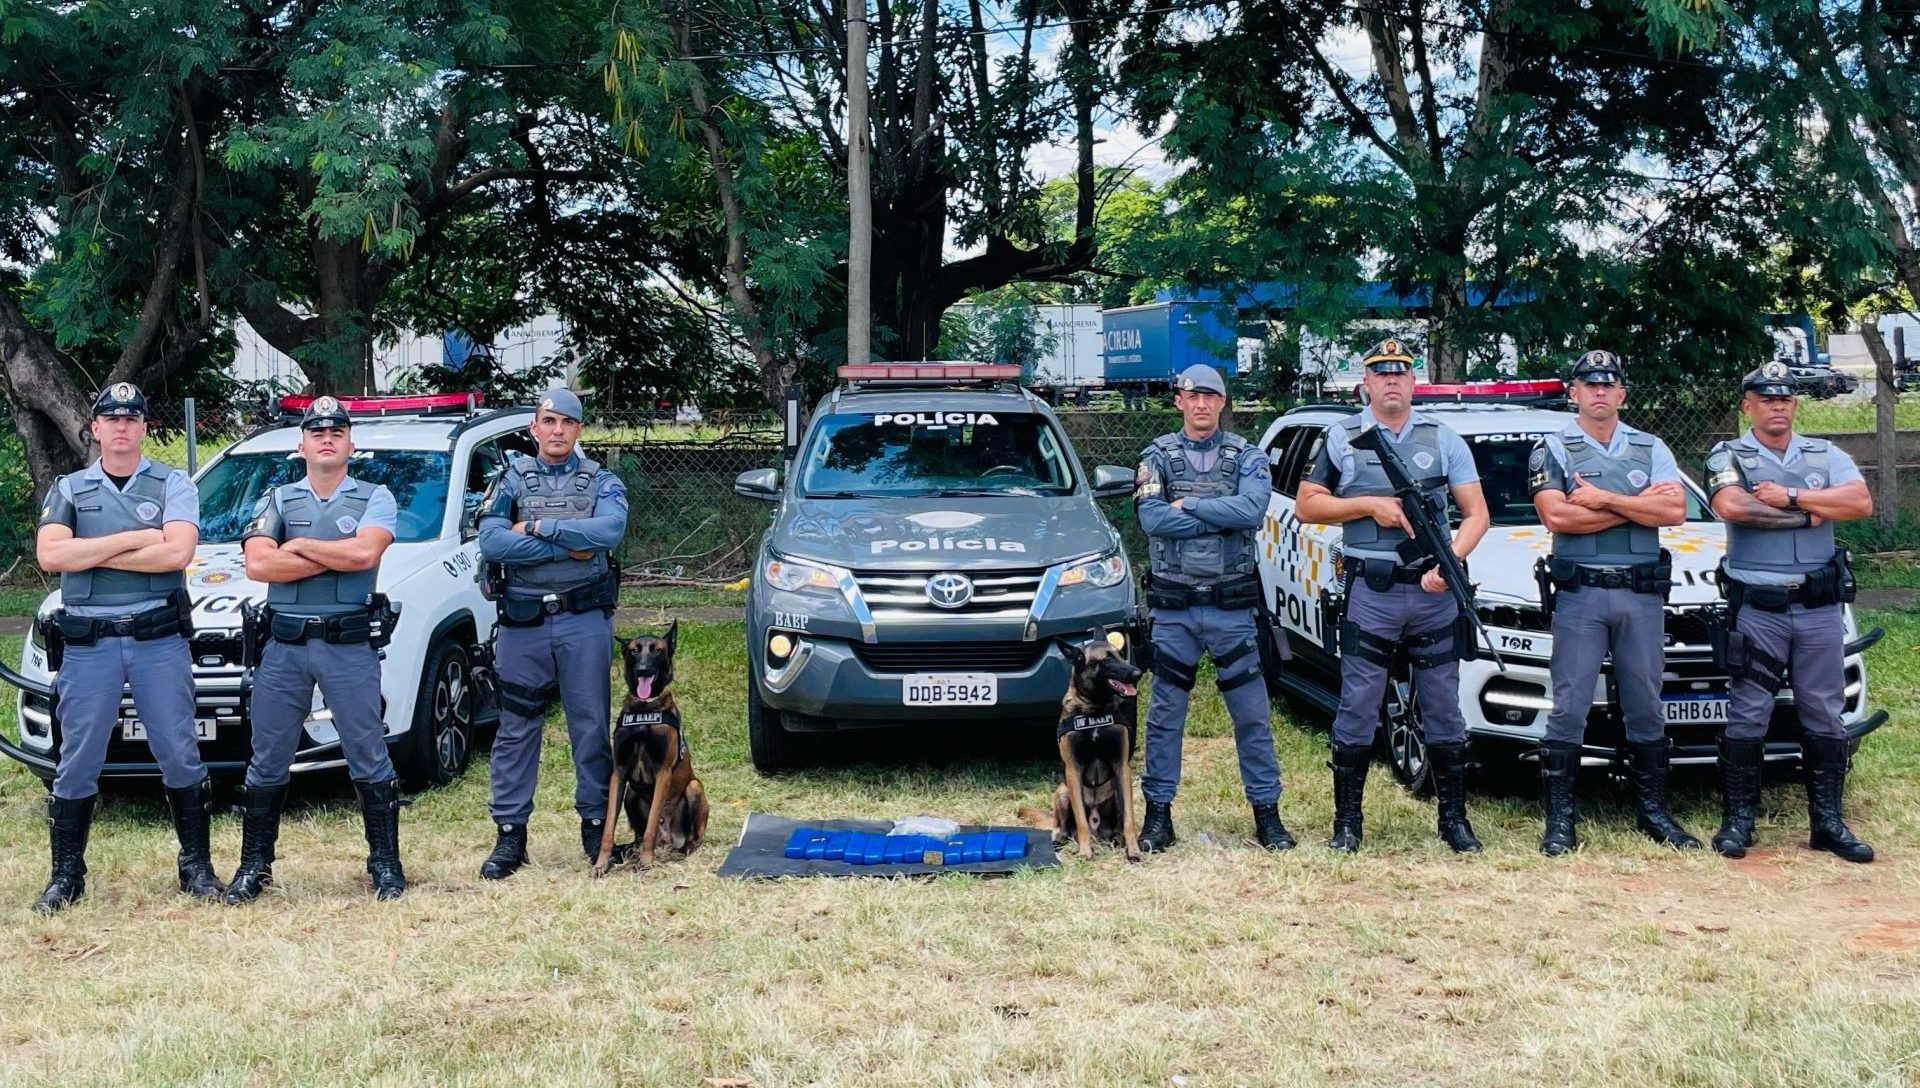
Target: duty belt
{"type": "Point", "coordinates": [1379, 573]}
{"type": "Point", "coordinates": [529, 611]}
{"type": "Point", "coordinates": [1827, 585]}
{"type": "Point", "coordinates": [1654, 577]}
{"type": "Point", "coordinates": [346, 628]}
{"type": "Point", "coordinates": [1240, 592]}
{"type": "Point", "coordinates": [169, 619]}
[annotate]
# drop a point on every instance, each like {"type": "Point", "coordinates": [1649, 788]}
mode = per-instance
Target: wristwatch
{"type": "Point", "coordinates": [1793, 498]}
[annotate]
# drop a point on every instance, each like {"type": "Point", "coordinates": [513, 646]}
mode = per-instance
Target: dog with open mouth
{"type": "Point", "coordinates": [1095, 795]}
{"type": "Point", "coordinates": [652, 770]}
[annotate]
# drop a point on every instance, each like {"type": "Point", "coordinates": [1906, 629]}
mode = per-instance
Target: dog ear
{"type": "Point", "coordinates": [1074, 652]}
{"type": "Point", "coordinates": [673, 634]}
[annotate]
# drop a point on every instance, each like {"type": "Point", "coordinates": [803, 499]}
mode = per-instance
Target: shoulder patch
{"type": "Point", "coordinates": [1719, 460]}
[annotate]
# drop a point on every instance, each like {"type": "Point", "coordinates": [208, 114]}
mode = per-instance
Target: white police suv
{"type": "Point", "coordinates": [1506, 712]}
{"type": "Point", "coordinates": [438, 455]}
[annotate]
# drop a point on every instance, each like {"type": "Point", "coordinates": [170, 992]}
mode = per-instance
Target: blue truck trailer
{"type": "Point", "coordinates": [1146, 346]}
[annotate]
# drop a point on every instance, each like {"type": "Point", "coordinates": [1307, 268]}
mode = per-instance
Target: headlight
{"type": "Point", "coordinates": [1108, 570]}
{"type": "Point", "coordinates": [792, 575]}
{"type": "Point", "coordinates": [34, 638]}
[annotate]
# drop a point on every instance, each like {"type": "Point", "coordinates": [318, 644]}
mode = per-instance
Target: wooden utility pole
{"type": "Point", "coordinates": [859, 192]}
{"type": "Point", "coordinates": [1886, 394]}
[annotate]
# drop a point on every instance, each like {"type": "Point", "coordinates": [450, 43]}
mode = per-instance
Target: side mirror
{"type": "Point", "coordinates": [470, 516]}
{"type": "Point", "coordinates": [1112, 482]}
{"type": "Point", "coordinates": [760, 483]}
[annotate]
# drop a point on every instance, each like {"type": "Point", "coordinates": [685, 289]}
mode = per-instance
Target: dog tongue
{"type": "Point", "coordinates": [643, 687]}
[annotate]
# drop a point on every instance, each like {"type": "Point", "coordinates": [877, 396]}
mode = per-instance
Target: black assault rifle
{"type": "Point", "coordinates": [1428, 541]}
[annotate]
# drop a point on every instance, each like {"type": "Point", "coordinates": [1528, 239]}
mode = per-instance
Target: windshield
{"type": "Point", "coordinates": [934, 453]}
{"type": "Point", "coordinates": [1502, 460]}
{"type": "Point", "coordinates": [231, 487]}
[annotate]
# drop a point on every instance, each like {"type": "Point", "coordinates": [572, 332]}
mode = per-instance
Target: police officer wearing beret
{"type": "Point", "coordinates": [548, 529]}
{"type": "Point", "coordinates": [1390, 602]}
{"type": "Point", "coordinates": [317, 543]}
{"type": "Point", "coordinates": [1200, 493]}
{"type": "Point", "coordinates": [1785, 582]}
{"type": "Point", "coordinates": [1604, 489]}
{"type": "Point", "coordinates": [119, 533]}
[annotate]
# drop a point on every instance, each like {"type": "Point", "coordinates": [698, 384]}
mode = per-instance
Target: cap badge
{"type": "Point", "coordinates": [123, 391]}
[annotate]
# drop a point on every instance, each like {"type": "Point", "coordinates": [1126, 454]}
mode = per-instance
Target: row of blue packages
{"type": "Point", "coordinates": [865, 848]}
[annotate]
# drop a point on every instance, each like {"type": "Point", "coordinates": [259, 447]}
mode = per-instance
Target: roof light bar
{"type": "Point", "coordinates": [929, 372]}
{"type": "Point", "coordinates": [410, 404]}
{"type": "Point", "coordinates": [1534, 389]}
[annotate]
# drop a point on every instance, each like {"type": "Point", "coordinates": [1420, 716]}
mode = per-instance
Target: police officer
{"type": "Point", "coordinates": [1604, 489]}
{"type": "Point", "coordinates": [1390, 602]}
{"type": "Point", "coordinates": [1784, 581]}
{"type": "Point", "coordinates": [1200, 493]}
{"type": "Point", "coordinates": [547, 532]}
{"type": "Point", "coordinates": [317, 543]}
{"type": "Point", "coordinates": [119, 533]}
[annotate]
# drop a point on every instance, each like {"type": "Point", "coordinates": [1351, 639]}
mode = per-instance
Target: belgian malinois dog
{"type": "Point", "coordinates": [1095, 796]}
{"type": "Point", "coordinates": [652, 771]}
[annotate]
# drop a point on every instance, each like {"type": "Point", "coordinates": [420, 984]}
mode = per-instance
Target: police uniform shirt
{"type": "Point", "coordinates": [1840, 471]}
{"type": "Point", "coordinates": [381, 513]}
{"type": "Point", "coordinates": [1336, 461]}
{"type": "Point", "coordinates": [1552, 471]}
{"type": "Point", "coordinates": [180, 502]}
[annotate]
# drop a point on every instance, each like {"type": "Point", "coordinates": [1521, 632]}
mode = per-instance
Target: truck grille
{"type": "Point", "coordinates": [950, 656]}
{"type": "Point", "coordinates": [996, 595]}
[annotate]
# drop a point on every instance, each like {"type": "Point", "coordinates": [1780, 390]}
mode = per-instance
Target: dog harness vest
{"type": "Point", "coordinates": [634, 724]}
{"type": "Point", "coordinates": [1078, 723]}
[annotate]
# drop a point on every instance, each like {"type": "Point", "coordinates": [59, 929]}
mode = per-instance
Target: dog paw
{"type": "Point", "coordinates": [600, 871]}
{"type": "Point", "coordinates": [1133, 854]}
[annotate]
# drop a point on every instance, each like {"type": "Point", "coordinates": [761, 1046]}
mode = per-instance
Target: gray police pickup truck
{"type": "Point", "coordinates": [935, 533]}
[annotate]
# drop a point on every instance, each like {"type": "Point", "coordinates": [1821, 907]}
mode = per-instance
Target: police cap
{"type": "Point", "coordinates": [1774, 379]}
{"type": "Point", "coordinates": [1201, 378]}
{"type": "Point", "coordinates": [1598, 367]}
{"type": "Point", "coordinates": [1389, 356]}
{"type": "Point", "coordinates": [564, 402]}
{"type": "Point", "coordinates": [120, 399]}
{"type": "Point", "coordinates": [325, 412]}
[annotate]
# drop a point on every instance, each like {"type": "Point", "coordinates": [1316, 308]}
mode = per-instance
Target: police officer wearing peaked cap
{"type": "Point", "coordinates": [548, 528]}
{"type": "Point", "coordinates": [1604, 489]}
{"type": "Point", "coordinates": [119, 533]}
{"type": "Point", "coordinates": [1200, 493]}
{"type": "Point", "coordinates": [1785, 582]}
{"type": "Point", "coordinates": [1390, 602]}
{"type": "Point", "coordinates": [317, 542]}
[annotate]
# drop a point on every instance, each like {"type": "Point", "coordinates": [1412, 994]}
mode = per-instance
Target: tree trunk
{"type": "Point", "coordinates": [49, 410]}
{"type": "Point", "coordinates": [1446, 340]}
{"type": "Point", "coordinates": [1886, 483]}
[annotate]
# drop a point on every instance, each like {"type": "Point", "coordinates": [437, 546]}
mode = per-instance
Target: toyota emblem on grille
{"type": "Point", "coordinates": [949, 590]}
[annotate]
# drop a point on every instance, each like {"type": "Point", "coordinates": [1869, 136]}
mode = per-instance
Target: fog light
{"type": "Point", "coordinates": [1117, 640]}
{"type": "Point", "coordinates": [779, 646]}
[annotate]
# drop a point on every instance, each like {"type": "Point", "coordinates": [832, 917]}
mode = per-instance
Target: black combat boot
{"type": "Point", "coordinates": [1559, 767]}
{"type": "Point", "coordinates": [1349, 764]}
{"type": "Point", "coordinates": [192, 819]}
{"type": "Point", "coordinates": [1739, 795]}
{"type": "Point", "coordinates": [1156, 831]}
{"type": "Point", "coordinates": [68, 822]}
{"type": "Point", "coordinates": [1650, 765]}
{"type": "Point", "coordinates": [1827, 760]}
{"type": "Point", "coordinates": [509, 852]}
{"type": "Point", "coordinates": [590, 832]}
{"type": "Point", "coordinates": [259, 830]}
{"type": "Point", "coordinates": [380, 810]}
{"type": "Point", "coordinates": [1449, 763]}
{"type": "Point", "coordinates": [1267, 828]}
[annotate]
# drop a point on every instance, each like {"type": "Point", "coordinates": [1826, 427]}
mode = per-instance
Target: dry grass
{"type": "Point", "coordinates": [1212, 965]}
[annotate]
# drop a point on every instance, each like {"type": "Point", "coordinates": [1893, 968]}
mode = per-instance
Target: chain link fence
{"type": "Point", "coordinates": [686, 524]}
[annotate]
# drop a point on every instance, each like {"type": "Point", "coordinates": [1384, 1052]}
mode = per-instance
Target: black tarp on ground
{"type": "Point", "coordinates": [760, 851]}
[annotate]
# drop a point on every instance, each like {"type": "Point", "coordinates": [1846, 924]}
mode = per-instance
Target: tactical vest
{"type": "Point", "coordinates": [1365, 535]}
{"type": "Point", "coordinates": [555, 496]}
{"type": "Point", "coordinates": [1623, 545]}
{"type": "Point", "coordinates": [100, 509]}
{"type": "Point", "coordinates": [330, 592]}
{"type": "Point", "coordinates": [1207, 559]}
{"type": "Point", "coordinates": [1781, 551]}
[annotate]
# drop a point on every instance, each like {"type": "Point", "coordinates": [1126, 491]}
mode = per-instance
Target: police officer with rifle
{"type": "Point", "coordinates": [548, 529]}
{"type": "Point", "coordinates": [119, 533]}
{"type": "Point", "coordinates": [1785, 581]}
{"type": "Point", "coordinates": [1385, 474]}
{"type": "Point", "coordinates": [317, 544]}
{"type": "Point", "coordinates": [1200, 493]}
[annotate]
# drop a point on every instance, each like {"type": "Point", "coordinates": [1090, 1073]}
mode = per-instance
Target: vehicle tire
{"type": "Point", "coordinates": [440, 744]}
{"type": "Point", "coordinates": [1401, 743]}
{"type": "Point", "coordinates": [771, 745]}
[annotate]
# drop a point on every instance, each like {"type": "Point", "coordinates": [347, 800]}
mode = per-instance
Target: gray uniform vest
{"type": "Point", "coordinates": [1781, 551]}
{"type": "Point", "coordinates": [555, 496]}
{"type": "Point", "coordinates": [1623, 545]}
{"type": "Point", "coordinates": [329, 592]}
{"type": "Point", "coordinates": [1206, 559]}
{"type": "Point", "coordinates": [100, 509]}
{"type": "Point", "coordinates": [1368, 478]}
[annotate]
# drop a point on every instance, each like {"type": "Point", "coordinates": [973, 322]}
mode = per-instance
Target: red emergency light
{"type": "Point", "coordinates": [1534, 389]}
{"type": "Point", "coordinates": [929, 372]}
{"type": "Point", "coordinates": [410, 404]}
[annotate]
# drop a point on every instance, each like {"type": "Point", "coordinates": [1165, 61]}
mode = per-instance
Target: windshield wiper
{"type": "Point", "coordinates": [838, 495]}
{"type": "Point", "coordinates": [978, 492]}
